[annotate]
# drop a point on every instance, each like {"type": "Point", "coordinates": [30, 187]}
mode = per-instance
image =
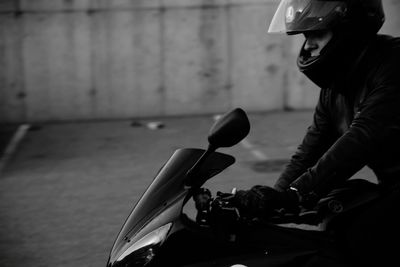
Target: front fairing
{"type": "Point", "coordinates": [163, 200]}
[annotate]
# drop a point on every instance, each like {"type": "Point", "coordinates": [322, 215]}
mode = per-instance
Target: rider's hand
{"type": "Point", "coordinates": [262, 201]}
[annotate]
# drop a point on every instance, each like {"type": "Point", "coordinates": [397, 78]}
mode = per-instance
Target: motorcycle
{"type": "Point", "coordinates": [159, 233]}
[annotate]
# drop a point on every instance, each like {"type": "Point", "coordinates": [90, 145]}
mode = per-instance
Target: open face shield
{"type": "Point", "coordinates": [298, 16]}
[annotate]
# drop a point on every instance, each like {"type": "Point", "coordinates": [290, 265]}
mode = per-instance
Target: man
{"type": "Point", "coordinates": [356, 121]}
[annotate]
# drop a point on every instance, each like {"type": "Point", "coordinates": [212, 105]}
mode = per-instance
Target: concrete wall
{"type": "Point", "coordinates": [96, 59]}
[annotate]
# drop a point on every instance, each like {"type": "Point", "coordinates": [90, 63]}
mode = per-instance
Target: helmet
{"type": "Point", "coordinates": [352, 22]}
{"type": "Point", "coordinates": [299, 16]}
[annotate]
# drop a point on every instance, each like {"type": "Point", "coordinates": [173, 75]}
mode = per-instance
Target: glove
{"type": "Point", "coordinates": [262, 201]}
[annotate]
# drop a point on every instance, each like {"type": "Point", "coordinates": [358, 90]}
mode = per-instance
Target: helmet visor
{"type": "Point", "coordinates": [297, 16]}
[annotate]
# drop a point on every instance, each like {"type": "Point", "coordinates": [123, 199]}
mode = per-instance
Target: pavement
{"type": "Point", "coordinates": [68, 187]}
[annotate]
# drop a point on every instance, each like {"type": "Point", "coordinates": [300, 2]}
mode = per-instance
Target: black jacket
{"type": "Point", "coordinates": [356, 123]}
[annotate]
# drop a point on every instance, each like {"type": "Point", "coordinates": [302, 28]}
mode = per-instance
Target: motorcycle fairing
{"type": "Point", "coordinates": [164, 199]}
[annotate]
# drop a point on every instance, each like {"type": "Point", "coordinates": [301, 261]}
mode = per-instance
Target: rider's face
{"type": "Point", "coordinates": [316, 41]}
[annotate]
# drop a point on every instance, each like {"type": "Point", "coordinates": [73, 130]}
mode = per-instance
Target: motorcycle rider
{"type": "Point", "coordinates": [356, 121]}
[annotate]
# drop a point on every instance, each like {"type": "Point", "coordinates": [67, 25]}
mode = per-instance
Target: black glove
{"type": "Point", "coordinates": [262, 201]}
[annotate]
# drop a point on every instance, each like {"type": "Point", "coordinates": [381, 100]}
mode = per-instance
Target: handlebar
{"type": "Point", "coordinates": [211, 211]}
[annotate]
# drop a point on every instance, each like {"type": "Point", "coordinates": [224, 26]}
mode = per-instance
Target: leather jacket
{"type": "Point", "coordinates": [356, 123]}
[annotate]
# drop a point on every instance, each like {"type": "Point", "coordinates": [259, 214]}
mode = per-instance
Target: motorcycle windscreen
{"type": "Point", "coordinates": [297, 16]}
{"type": "Point", "coordinates": [168, 187]}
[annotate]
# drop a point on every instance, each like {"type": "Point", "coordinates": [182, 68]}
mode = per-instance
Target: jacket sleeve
{"type": "Point", "coordinates": [315, 142]}
{"type": "Point", "coordinates": [375, 125]}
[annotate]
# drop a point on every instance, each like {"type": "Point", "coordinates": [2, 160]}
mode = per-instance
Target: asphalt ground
{"type": "Point", "coordinates": [68, 188]}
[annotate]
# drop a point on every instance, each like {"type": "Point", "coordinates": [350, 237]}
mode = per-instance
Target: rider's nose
{"type": "Point", "coordinates": [310, 45]}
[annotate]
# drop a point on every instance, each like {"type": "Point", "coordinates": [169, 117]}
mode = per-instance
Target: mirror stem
{"type": "Point", "coordinates": [192, 172]}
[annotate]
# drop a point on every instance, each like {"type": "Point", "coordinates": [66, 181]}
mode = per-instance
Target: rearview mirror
{"type": "Point", "coordinates": [230, 129]}
{"type": "Point", "coordinates": [227, 131]}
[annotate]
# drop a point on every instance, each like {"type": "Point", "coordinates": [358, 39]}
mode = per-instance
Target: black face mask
{"type": "Point", "coordinates": [333, 67]}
